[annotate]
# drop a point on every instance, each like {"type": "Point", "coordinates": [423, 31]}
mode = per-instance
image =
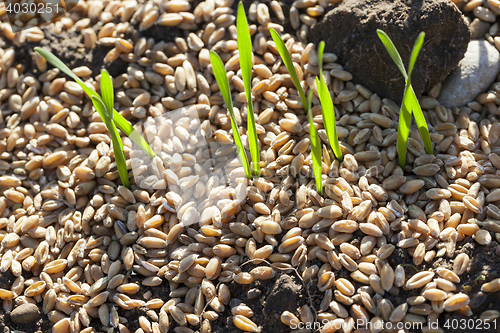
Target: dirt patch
{"type": "Point", "coordinates": [6, 325]}
{"type": "Point", "coordinates": [157, 32]}
{"type": "Point", "coordinates": [484, 267]}
{"type": "Point", "coordinates": [162, 291]}
{"type": "Point", "coordinates": [6, 279]}
{"type": "Point", "coordinates": [42, 325]}
{"type": "Point", "coordinates": [133, 317]}
{"type": "Point", "coordinates": [68, 46]}
{"type": "Point", "coordinates": [268, 300]}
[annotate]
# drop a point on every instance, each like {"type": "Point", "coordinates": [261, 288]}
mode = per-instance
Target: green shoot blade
{"type": "Point", "coordinates": [287, 59]}
{"type": "Point", "coordinates": [328, 111]}
{"type": "Point", "coordinates": [403, 133]}
{"type": "Point", "coordinates": [253, 142]}
{"type": "Point", "coordinates": [393, 52]}
{"type": "Point", "coordinates": [221, 77]}
{"type": "Point", "coordinates": [129, 131]}
{"type": "Point", "coordinates": [414, 53]}
{"type": "Point", "coordinates": [56, 62]}
{"type": "Point", "coordinates": [246, 61]}
{"type": "Point", "coordinates": [315, 147]}
{"type": "Point", "coordinates": [405, 111]}
{"type": "Point", "coordinates": [107, 92]}
{"type": "Point", "coordinates": [327, 107]}
{"type": "Point", "coordinates": [121, 162]}
{"type": "Point", "coordinates": [108, 99]}
{"type": "Point", "coordinates": [245, 50]}
{"type": "Point", "coordinates": [321, 49]}
{"type": "Point", "coordinates": [121, 122]}
{"type": "Point", "coordinates": [411, 101]}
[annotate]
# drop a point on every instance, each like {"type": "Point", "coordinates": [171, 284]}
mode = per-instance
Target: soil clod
{"type": "Point", "coordinates": [349, 31]}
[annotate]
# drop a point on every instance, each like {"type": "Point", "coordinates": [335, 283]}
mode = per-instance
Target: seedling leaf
{"type": "Point", "coordinates": [121, 162]}
{"type": "Point", "coordinates": [414, 53]}
{"type": "Point", "coordinates": [315, 146]}
{"type": "Point", "coordinates": [129, 131]}
{"type": "Point", "coordinates": [403, 133]}
{"type": "Point", "coordinates": [121, 122]}
{"type": "Point", "coordinates": [321, 49]}
{"type": "Point", "coordinates": [221, 77]}
{"type": "Point", "coordinates": [421, 123]}
{"type": "Point", "coordinates": [107, 92]}
{"type": "Point", "coordinates": [410, 97]}
{"type": "Point", "coordinates": [327, 107]}
{"type": "Point", "coordinates": [287, 59]}
{"type": "Point", "coordinates": [328, 111]}
{"type": "Point", "coordinates": [245, 50]}
{"type": "Point", "coordinates": [246, 61]}
{"type": "Point", "coordinates": [410, 103]}
{"type": "Point", "coordinates": [108, 99]}
{"type": "Point", "coordinates": [393, 52]}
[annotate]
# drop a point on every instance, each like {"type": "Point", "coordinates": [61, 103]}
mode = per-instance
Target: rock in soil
{"type": "Point", "coordinates": [478, 28]}
{"type": "Point", "coordinates": [350, 31]}
{"type": "Point", "coordinates": [475, 73]}
{"type": "Point", "coordinates": [285, 296]}
{"type": "Point", "coordinates": [25, 314]}
{"type": "Point", "coordinates": [268, 300]}
{"type": "Point", "coordinates": [484, 267]}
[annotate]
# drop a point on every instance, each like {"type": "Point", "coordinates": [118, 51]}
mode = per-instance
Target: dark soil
{"type": "Point", "coordinates": [283, 293]}
{"type": "Point", "coordinates": [349, 31]}
{"type": "Point", "coordinates": [6, 279]}
{"type": "Point", "coordinates": [484, 267]}
{"type": "Point", "coordinates": [69, 48]}
{"type": "Point", "coordinates": [42, 325]}
{"type": "Point", "coordinates": [157, 32]}
{"type": "Point", "coordinates": [162, 291]}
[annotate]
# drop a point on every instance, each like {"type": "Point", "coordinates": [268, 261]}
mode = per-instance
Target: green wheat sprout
{"type": "Point", "coordinates": [110, 117]}
{"type": "Point", "coordinates": [410, 104]}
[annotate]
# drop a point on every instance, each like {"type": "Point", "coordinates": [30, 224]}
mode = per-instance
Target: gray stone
{"type": "Point", "coordinates": [253, 293]}
{"type": "Point", "coordinates": [478, 28]}
{"type": "Point", "coordinates": [474, 74]}
{"type": "Point", "coordinates": [25, 313]}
